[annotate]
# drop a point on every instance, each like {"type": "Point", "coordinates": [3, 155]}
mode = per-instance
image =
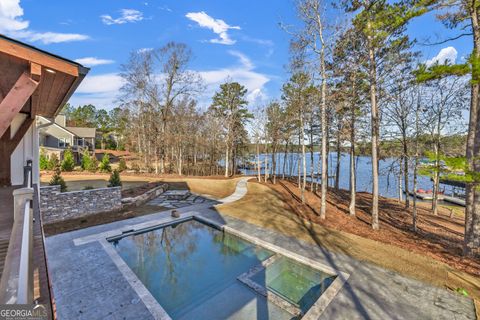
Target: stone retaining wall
{"type": "Point", "coordinates": [144, 198]}
{"type": "Point", "coordinates": [57, 206]}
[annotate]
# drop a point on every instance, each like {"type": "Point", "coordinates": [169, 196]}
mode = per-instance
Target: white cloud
{"type": "Point", "coordinates": [93, 61]}
{"type": "Point", "coordinates": [446, 55]}
{"type": "Point", "coordinates": [109, 82]}
{"type": "Point", "coordinates": [99, 90]}
{"type": "Point", "coordinates": [126, 16]}
{"type": "Point", "coordinates": [51, 37]}
{"type": "Point", "coordinates": [262, 42]}
{"type": "Point", "coordinates": [12, 24]}
{"type": "Point", "coordinates": [102, 90]}
{"type": "Point", "coordinates": [165, 8]}
{"type": "Point", "coordinates": [11, 16]}
{"type": "Point", "coordinates": [143, 50]}
{"type": "Point", "coordinates": [244, 60]}
{"type": "Point", "coordinates": [243, 74]}
{"type": "Point", "coordinates": [218, 26]}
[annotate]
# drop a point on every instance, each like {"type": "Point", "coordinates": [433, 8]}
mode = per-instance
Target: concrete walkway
{"type": "Point", "coordinates": [240, 191]}
{"type": "Point", "coordinates": [87, 284]}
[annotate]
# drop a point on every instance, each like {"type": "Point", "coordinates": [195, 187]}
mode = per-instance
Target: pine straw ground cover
{"type": "Point", "coordinates": [433, 255]}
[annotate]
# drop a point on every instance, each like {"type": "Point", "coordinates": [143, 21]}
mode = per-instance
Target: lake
{"type": "Point", "coordinates": [388, 169]}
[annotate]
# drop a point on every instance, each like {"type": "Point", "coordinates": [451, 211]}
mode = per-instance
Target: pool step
{"type": "Point", "coordinates": [273, 297]}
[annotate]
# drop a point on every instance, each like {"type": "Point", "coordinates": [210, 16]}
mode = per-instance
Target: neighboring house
{"type": "Point", "coordinates": [56, 136]}
{"type": "Point", "coordinates": [34, 85]}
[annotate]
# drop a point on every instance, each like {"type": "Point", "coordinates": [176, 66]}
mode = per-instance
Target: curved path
{"type": "Point", "coordinates": [239, 193]}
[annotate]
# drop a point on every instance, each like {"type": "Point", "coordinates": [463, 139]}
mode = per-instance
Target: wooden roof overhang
{"type": "Point", "coordinates": [33, 82]}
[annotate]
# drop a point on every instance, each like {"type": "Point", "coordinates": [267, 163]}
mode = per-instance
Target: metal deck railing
{"type": "Point", "coordinates": [16, 284]}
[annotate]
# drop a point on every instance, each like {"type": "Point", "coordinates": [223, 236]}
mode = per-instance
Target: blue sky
{"type": "Point", "coordinates": [241, 40]}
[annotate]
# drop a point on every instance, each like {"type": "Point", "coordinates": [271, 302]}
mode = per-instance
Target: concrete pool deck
{"type": "Point", "coordinates": [88, 284]}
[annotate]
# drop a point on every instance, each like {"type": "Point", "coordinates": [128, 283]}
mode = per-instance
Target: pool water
{"type": "Point", "coordinates": [191, 269]}
{"type": "Point", "coordinates": [295, 282]}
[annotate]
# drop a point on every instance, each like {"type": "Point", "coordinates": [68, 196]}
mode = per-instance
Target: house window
{"type": "Point", "coordinates": [62, 142]}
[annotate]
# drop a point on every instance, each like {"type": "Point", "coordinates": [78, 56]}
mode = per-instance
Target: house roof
{"type": "Point", "coordinates": [57, 77]}
{"type": "Point", "coordinates": [82, 132]}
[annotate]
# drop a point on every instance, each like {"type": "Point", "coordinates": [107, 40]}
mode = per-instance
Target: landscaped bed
{"type": "Point", "coordinates": [218, 187]}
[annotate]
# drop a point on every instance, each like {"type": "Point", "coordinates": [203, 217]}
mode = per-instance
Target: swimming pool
{"type": "Point", "coordinates": [194, 270]}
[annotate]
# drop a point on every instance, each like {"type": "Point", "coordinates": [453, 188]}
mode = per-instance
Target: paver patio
{"type": "Point", "coordinates": [88, 285]}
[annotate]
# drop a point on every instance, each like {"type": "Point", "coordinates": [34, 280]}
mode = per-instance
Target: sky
{"type": "Point", "coordinates": [237, 40]}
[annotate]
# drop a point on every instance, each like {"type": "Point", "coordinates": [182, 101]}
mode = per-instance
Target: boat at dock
{"type": "Point", "coordinates": [425, 194]}
{"type": "Point", "coordinates": [455, 200]}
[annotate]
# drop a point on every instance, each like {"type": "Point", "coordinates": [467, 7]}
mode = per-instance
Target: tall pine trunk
{"type": "Point", "coordinates": [259, 171]}
{"type": "Point", "coordinates": [285, 160]}
{"type": "Point", "coordinates": [472, 211]}
{"type": "Point", "coordinates": [339, 155]}
{"type": "Point", "coordinates": [415, 168]}
{"type": "Point", "coordinates": [352, 205]}
{"type": "Point", "coordinates": [323, 204]}
{"type": "Point", "coordinates": [304, 160]}
{"type": "Point", "coordinates": [406, 171]}
{"type": "Point", "coordinates": [274, 164]}
{"type": "Point", "coordinates": [226, 161]}
{"type": "Point", "coordinates": [375, 132]}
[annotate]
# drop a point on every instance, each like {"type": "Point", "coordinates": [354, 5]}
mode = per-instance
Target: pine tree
{"type": "Point", "coordinates": [465, 16]}
{"type": "Point", "coordinates": [68, 163]}
{"type": "Point", "coordinates": [57, 179]}
{"type": "Point", "coordinates": [53, 162]}
{"type": "Point", "coordinates": [89, 162]}
{"type": "Point", "coordinates": [43, 161]}
{"type": "Point", "coordinates": [383, 24]}
{"type": "Point", "coordinates": [105, 163]}
{"type": "Point", "coordinates": [122, 165]}
{"type": "Point", "coordinates": [229, 104]}
{"type": "Point", "coordinates": [115, 180]}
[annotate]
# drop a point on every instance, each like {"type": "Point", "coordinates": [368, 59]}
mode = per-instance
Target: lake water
{"type": "Point", "coordinates": [388, 183]}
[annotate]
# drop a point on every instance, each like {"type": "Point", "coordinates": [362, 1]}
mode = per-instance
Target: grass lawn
{"type": "Point", "coordinates": [218, 188]}
{"type": "Point", "coordinates": [267, 208]}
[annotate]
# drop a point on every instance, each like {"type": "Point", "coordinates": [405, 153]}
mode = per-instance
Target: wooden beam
{"type": "Point", "coordinates": [35, 74]}
{"type": "Point", "coordinates": [35, 56]}
{"type": "Point", "coordinates": [35, 71]}
{"type": "Point", "coordinates": [15, 100]}
{"type": "Point", "coordinates": [5, 165]}
{"type": "Point", "coordinates": [13, 142]}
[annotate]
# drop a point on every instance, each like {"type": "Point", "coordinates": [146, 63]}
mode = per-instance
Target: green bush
{"type": "Point", "coordinates": [89, 162]}
{"type": "Point", "coordinates": [86, 160]}
{"type": "Point", "coordinates": [115, 180]}
{"type": "Point", "coordinates": [94, 165]}
{"type": "Point", "coordinates": [136, 167]}
{"type": "Point", "coordinates": [122, 165]}
{"type": "Point", "coordinates": [105, 163]}
{"type": "Point", "coordinates": [68, 163]}
{"type": "Point", "coordinates": [58, 180]}
{"type": "Point", "coordinates": [43, 161]}
{"type": "Point", "coordinates": [53, 163]}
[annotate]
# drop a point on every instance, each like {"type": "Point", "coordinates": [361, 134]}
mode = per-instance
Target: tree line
{"type": "Point", "coordinates": [353, 84]}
